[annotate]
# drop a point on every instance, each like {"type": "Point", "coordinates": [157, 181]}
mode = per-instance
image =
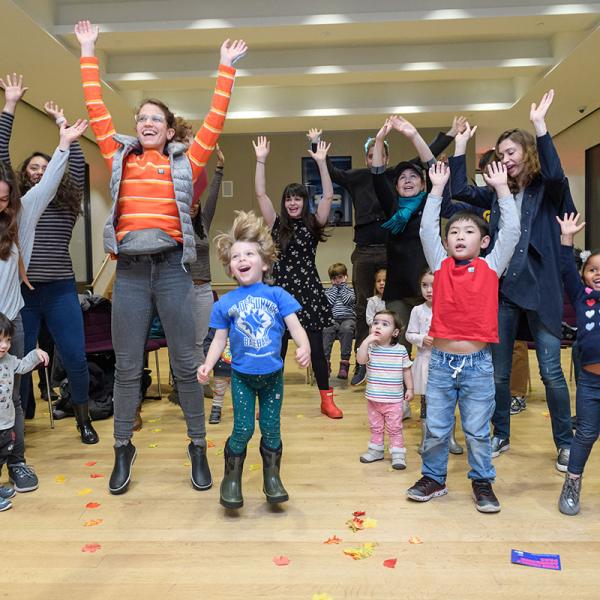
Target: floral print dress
{"type": "Point", "coordinates": [296, 272]}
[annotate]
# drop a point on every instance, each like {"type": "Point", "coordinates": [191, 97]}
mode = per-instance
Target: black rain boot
{"type": "Point", "coordinates": [272, 486]}
{"type": "Point", "coordinates": [201, 478]}
{"type": "Point", "coordinates": [121, 474]}
{"type": "Point", "coordinates": [84, 424]}
{"type": "Point", "coordinates": [231, 486]}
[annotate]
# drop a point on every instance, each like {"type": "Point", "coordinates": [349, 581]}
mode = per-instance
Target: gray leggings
{"type": "Point", "coordinates": [145, 283]}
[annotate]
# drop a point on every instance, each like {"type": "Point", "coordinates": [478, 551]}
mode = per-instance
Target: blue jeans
{"type": "Point", "coordinates": [466, 379]}
{"type": "Point", "coordinates": [56, 302]}
{"type": "Point", "coordinates": [588, 420]}
{"type": "Point", "coordinates": [145, 284]}
{"type": "Point", "coordinates": [547, 348]}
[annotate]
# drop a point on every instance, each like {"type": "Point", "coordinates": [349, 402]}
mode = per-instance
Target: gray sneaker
{"type": "Point", "coordinates": [562, 461]}
{"type": "Point", "coordinates": [23, 477]}
{"type": "Point", "coordinates": [499, 445]}
{"type": "Point", "coordinates": [372, 454]}
{"type": "Point", "coordinates": [398, 458]}
{"type": "Point", "coordinates": [6, 492]}
{"type": "Point", "coordinates": [568, 503]}
{"type": "Point", "coordinates": [518, 404]}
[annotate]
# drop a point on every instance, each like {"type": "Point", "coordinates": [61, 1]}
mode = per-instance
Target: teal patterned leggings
{"type": "Point", "coordinates": [244, 389]}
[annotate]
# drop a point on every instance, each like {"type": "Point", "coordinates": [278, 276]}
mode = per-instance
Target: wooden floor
{"type": "Point", "coordinates": [165, 540]}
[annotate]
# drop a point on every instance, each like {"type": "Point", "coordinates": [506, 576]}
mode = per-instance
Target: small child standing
{"type": "Point", "coordinates": [343, 302]}
{"type": "Point", "coordinates": [221, 378]}
{"type": "Point", "coordinates": [9, 366]}
{"type": "Point", "coordinates": [417, 333]}
{"type": "Point", "coordinates": [254, 316]}
{"type": "Point", "coordinates": [464, 322]}
{"type": "Point", "coordinates": [584, 293]}
{"type": "Point", "coordinates": [375, 303]}
{"type": "Point", "coordinates": [388, 372]}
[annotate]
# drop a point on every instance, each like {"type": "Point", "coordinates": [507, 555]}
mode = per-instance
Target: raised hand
{"type": "Point", "coordinates": [385, 129]}
{"type": "Point", "coordinates": [87, 35]}
{"type": "Point", "coordinates": [496, 176]}
{"type": "Point", "coordinates": [458, 125]}
{"type": "Point", "coordinates": [53, 110]}
{"type": "Point", "coordinates": [69, 134]}
{"type": "Point", "coordinates": [314, 135]}
{"type": "Point", "coordinates": [321, 154]}
{"type": "Point", "coordinates": [537, 113]}
{"type": "Point", "coordinates": [439, 173]}
{"type": "Point", "coordinates": [13, 91]}
{"type": "Point", "coordinates": [262, 147]}
{"type": "Point", "coordinates": [405, 127]}
{"type": "Point", "coordinates": [220, 157]}
{"type": "Point", "coordinates": [569, 225]}
{"type": "Point", "coordinates": [231, 52]}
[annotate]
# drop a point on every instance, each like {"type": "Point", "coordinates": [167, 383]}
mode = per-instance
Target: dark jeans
{"type": "Point", "coordinates": [342, 330]}
{"type": "Point", "coordinates": [7, 444]}
{"type": "Point", "coordinates": [317, 355]}
{"type": "Point", "coordinates": [145, 284]}
{"type": "Point", "coordinates": [366, 261]}
{"type": "Point", "coordinates": [547, 348]}
{"type": "Point", "coordinates": [56, 302]}
{"type": "Point", "coordinates": [588, 420]}
{"type": "Point", "coordinates": [16, 348]}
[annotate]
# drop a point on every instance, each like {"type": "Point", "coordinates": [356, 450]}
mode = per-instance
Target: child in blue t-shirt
{"type": "Point", "coordinates": [255, 317]}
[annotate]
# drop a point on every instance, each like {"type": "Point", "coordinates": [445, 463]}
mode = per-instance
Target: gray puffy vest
{"type": "Point", "coordinates": [154, 240]}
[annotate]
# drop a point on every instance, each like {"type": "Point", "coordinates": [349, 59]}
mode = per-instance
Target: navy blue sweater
{"type": "Point", "coordinates": [586, 303]}
{"type": "Point", "coordinates": [533, 279]}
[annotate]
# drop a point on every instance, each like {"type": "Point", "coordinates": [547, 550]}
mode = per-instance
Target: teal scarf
{"type": "Point", "coordinates": [406, 208]}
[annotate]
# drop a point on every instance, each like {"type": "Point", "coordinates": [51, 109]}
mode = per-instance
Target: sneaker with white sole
{"type": "Point", "coordinates": [484, 497]}
{"type": "Point", "coordinates": [7, 492]}
{"type": "Point", "coordinates": [499, 445]}
{"type": "Point", "coordinates": [568, 503]}
{"type": "Point", "coordinates": [517, 404]}
{"type": "Point", "coordinates": [5, 504]}
{"type": "Point", "coordinates": [425, 489]}
{"type": "Point", "coordinates": [23, 477]}
{"type": "Point", "coordinates": [562, 460]}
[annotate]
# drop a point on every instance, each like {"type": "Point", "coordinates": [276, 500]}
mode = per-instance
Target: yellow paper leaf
{"type": "Point", "coordinates": [362, 552]}
{"type": "Point", "coordinates": [155, 420]}
{"type": "Point", "coordinates": [187, 464]}
{"type": "Point", "coordinates": [60, 479]}
{"type": "Point", "coordinates": [321, 597]}
{"type": "Point", "coordinates": [152, 445]}
{"type": "Point", "coordinates": [93, 522]}
{"type": "Point", "coordinates": [84, 492]}
{"type": "Point", "coordinates": [300, 416]}
{"type": "Point", "coordinates": [156, 430]}
{"type": "Point", "coordinates": [255, 467]}
{"type": "Point", "coordinates": [220, 451]}
{"type": "Point", "coordinates": [369, 523]}
{"type": "Point", "coordinates": [414, 540]}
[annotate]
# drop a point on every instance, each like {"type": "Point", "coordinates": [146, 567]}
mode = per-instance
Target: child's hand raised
{"type": "Point", "coordinates": [53, 110]}
{"type": "Point", "coordinates": [232, 52]}
{"type": "Point", "coordinates": [69, 134]}
{"type": "Point", "coordinates": [321, 154]}
{"type": "Point", "coordinates": [43, 356]}
{"type": "Point", "coordinates": [439, 173]}
{"type": "Point", "coordinates": [462, 138]}
{"type": "Point", "coordinates": [203, 374]}
{"type": "Point", "coordinates": [262, 147]}
{"type": "Point", "coordinates": [458, 125]}
{"type": "Point", "coordinates": [303, 356]}
{"type": "Point", "coordinates": [569, 226]}
{"type": "Point", "coordinates": [496, 176]}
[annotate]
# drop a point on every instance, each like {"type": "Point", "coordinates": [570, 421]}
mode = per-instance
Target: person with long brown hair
{"type": "Point", "coordinates": [50, 295]}
{"type": "Point", "coordinates": [531, 287]}
{"type": "Point", "coordinates": [18, 219]}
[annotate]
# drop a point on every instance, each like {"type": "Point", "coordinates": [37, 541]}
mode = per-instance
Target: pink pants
{"type": "Point", "coordinates": [386, 415]}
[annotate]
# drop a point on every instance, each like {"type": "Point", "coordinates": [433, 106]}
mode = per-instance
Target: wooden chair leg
{"type": "Point", "coordinates": [158, 374]}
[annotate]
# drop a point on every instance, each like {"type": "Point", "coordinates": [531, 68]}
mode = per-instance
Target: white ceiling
{"type": "Point", "coordinates": [343, 64]}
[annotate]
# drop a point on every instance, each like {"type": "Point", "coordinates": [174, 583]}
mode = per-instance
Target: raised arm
{"type": "Point", "coordinates": [320, 156]}
{"type": "Point", "coordinates": [509, 231]}
{"type": "Point", "coordinates": [430, 220]}
{"type": "Point", "coordinates": [262, 148]}
{"type": "Point", "coordinates": [210, 204]}
{"type": "Point", "coordinates": [13, 92]}
{"type": "Point", "coordinates": [386, 195]}
{"type": "Point", "coordinates": [409, 131]}
{"type": "Point", "coordinates": [569, 226]}
{"type": "Point", "coordinates": [339, 176]}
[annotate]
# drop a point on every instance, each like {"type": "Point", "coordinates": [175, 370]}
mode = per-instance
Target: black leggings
{"type": "Point", "coordinates": [317, 355]}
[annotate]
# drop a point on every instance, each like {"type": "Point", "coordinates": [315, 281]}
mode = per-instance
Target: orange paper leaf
{"type": "Point", "coordinates": [390, 563]}
{"type": "Point", "coordinates": [96, 475]}
{"type": "Point", "coordinates": [210, 444]}
{"type": "Point", "coordinates": [91, 463]}
{"type": "Point", "coordinates": [93, 505]}
{"type": "Point", "coordinates": [93, 522]}
{"type": "Point", "coordinates": [91, 548]}
{"type": "Point", "coordinates": [334, 539]}
{"type": "Point", "coordinates": [281, 561]}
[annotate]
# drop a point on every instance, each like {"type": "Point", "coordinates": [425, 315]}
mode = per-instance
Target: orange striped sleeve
{"type": "Point", "coordinates": [204, 143]}
{"type": "Point", "coordinates": [100, 119]}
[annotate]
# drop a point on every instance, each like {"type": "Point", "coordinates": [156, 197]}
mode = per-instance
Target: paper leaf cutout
{"type": "Point", "coordinates": [93, 522]}
{"type": "Point", "coordinates": [210, 444]}
{"type": "Point", "coordinates": [91, 548]}
{"type": "Point", "coordinates": [413, 539]}
{"type": "Point", "coordinates": [390, 563]}
{"type": "Point", "coordinates": [187, 463]}
{"type": "Point", "coordinates": [93, 505]}
{"type": "Point", "coordinates": [155, 420]}
{"type": "Point", "coordinates": [334, 539]}
{"type": "Point", "coordinates": [321, 597]}
{"type": "Point", "coordinates": [281, 561]}
{"type": "Point", "coordinates": [369, 523]}
{"type": "Point", "coordinates": [84, 492]}
{"type": "Point", "coordinates": [220, 451]}
{"type": "Point", "coordinates": [255, 467]}
{"type": "Point", "coordinates": [60, 479]}
{"type": "Point", "coordinates": [358, 524]}
{"type": "Point", "coordinates": [362, 552]}
{"type": "Point", "coordinates": [152, 445]}
{"type": "Point", "coordinates": [156, 430]}
{"type": "Point", "coordinates": [359, 513]}
{"type": "Point", "coordinates": [300, 416]}
{"type": "Point", "coordinates": [91, 463]}
{"type": "Point", "coordinates": [96, 475]}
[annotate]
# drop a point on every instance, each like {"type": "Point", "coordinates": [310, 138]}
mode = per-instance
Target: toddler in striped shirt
{"type": "Point", "coordinates": [389, 385]}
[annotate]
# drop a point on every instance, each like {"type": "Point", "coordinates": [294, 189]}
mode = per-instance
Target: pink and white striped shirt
{"type": "Point", "coordinates": [385, 377]}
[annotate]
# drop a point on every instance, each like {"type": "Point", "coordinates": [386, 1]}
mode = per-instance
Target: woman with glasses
{"type": "Point", "coordinates": [151, 234]}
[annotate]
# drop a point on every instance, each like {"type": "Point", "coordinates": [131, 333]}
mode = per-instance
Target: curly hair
{"type": "Point", "coordinates": [9, 226]}
{"type": "Point", "coordinates": [531, 160]}
{"type": "Point", "coordinates": [286, 231]}
{"type": "Point", "coordinates": [247, 227]}
{"type": "Point", "coordinates": [184, 131]}
{"type": "Point", "coordinates": [68, 195]}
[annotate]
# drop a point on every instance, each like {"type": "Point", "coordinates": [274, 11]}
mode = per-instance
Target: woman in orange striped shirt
{"type": "Point", "coordinates": [150, 233]}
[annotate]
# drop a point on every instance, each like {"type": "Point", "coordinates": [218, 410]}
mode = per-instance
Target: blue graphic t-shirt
{"type": "Point", "coordinates": [254, 316]}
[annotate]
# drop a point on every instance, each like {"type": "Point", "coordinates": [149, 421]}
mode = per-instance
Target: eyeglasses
{"type": "Point", "coordinates": [151, 118]}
